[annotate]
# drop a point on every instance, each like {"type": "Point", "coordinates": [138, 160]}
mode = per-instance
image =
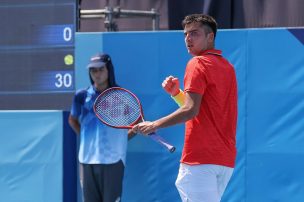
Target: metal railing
{"type": "Point", "coordinates": [109, 14]}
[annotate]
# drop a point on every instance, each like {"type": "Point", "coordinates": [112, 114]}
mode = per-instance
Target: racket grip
{"type": "Point", "coordinates": [162, 142]}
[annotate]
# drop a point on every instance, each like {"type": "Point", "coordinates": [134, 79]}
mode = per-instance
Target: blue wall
{"type": "Point", "coordinates": [31, 156]}
{"type": "Point", "coordinates": [269, 66]}
{"type": "Point", "coordinates": [270, 134]}
{"type": "Point", "coordinates": [270, 69]}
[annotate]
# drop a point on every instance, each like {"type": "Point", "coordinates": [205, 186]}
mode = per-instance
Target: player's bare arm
{"type": "Point", "coordinates": [186, 112]}
{"type": "Point", "coordinates": [75, 125]}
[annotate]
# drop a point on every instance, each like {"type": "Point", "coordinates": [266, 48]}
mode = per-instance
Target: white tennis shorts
{"type": "Point", "coordinates": [202, 183]}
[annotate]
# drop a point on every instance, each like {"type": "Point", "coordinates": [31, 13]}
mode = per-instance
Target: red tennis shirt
{"type": "Point", "coordinates": [210, 136]}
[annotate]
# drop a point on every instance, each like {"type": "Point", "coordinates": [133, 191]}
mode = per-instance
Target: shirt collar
{"type": "Point", "coordinates": [212, 52]}
{"type": "Point", "coordinates": [91, 90]}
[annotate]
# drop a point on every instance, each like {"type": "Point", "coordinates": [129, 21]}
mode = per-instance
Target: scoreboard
{"type": "Point", "coordinates": [37, 42]}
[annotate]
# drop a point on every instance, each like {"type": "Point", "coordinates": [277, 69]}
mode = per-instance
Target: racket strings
{"type": "Point", "coordinates": [118, 108]}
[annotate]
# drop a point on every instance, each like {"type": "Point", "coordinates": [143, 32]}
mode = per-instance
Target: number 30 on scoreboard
{"type": "Point", "coordinates": [64, 80]}
{"type": "Point", "coordinates": [56, 81]}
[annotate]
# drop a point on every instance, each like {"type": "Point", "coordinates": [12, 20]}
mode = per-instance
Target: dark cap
{"type": "Point", "coordinates": [98, 60]}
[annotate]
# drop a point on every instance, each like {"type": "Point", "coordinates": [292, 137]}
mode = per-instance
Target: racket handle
{"type": "Point", "coordinates": [162, 142]}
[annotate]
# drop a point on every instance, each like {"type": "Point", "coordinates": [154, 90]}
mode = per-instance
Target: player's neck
{"type": "Point", "coordinates": [101, 87]}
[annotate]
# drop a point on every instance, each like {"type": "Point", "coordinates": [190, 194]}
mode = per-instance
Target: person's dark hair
{"type": "Point", "coordinates": [205, 20]}
{"type": "Point", "coordinates": [111, 75]}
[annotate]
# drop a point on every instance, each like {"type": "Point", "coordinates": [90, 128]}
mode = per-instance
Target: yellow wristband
{"type": "Point", "coordinates": [179, 98]}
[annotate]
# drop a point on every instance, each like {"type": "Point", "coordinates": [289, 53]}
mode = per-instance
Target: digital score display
{"type": "Point", "coordinates": [37, 43]}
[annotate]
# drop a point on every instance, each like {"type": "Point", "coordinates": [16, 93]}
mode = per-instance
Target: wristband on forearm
{"type": "Point", "coordinates": [179, 98]}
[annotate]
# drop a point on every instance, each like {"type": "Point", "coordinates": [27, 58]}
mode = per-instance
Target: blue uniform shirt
{"type": "Point", "coordinates": [99, 143]}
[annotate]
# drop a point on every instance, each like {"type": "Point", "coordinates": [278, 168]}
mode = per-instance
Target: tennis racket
{"type": "Point", "coordinates": [119, 108]}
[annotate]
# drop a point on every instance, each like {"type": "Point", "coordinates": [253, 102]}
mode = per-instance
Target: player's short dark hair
{"type": "Point", "coordinates": [205, 20]}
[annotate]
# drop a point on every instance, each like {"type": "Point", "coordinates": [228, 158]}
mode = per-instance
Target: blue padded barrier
{"type": "Point", "coordinates": [269, 67]}
{"type": "Point", "coordinates": [31, 156]}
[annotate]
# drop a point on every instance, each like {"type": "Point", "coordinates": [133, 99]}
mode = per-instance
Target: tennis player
{"type": "Point", "coordinates": [208, 106]}
{"type": "Point", "coordinates": [102, 150]}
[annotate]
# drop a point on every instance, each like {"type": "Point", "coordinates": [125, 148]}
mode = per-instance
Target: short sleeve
{"type": "Point", "coordinates": [195, 76]}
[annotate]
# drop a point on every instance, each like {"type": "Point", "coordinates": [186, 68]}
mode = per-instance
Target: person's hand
{"type": "Point", "coordinates": [144, 128]}
{"type": "Point", "coordinates": [171, 85]}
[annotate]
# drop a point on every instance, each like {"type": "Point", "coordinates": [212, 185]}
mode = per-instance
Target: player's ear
{"type": "Point", "coordinates": [210, 37]}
